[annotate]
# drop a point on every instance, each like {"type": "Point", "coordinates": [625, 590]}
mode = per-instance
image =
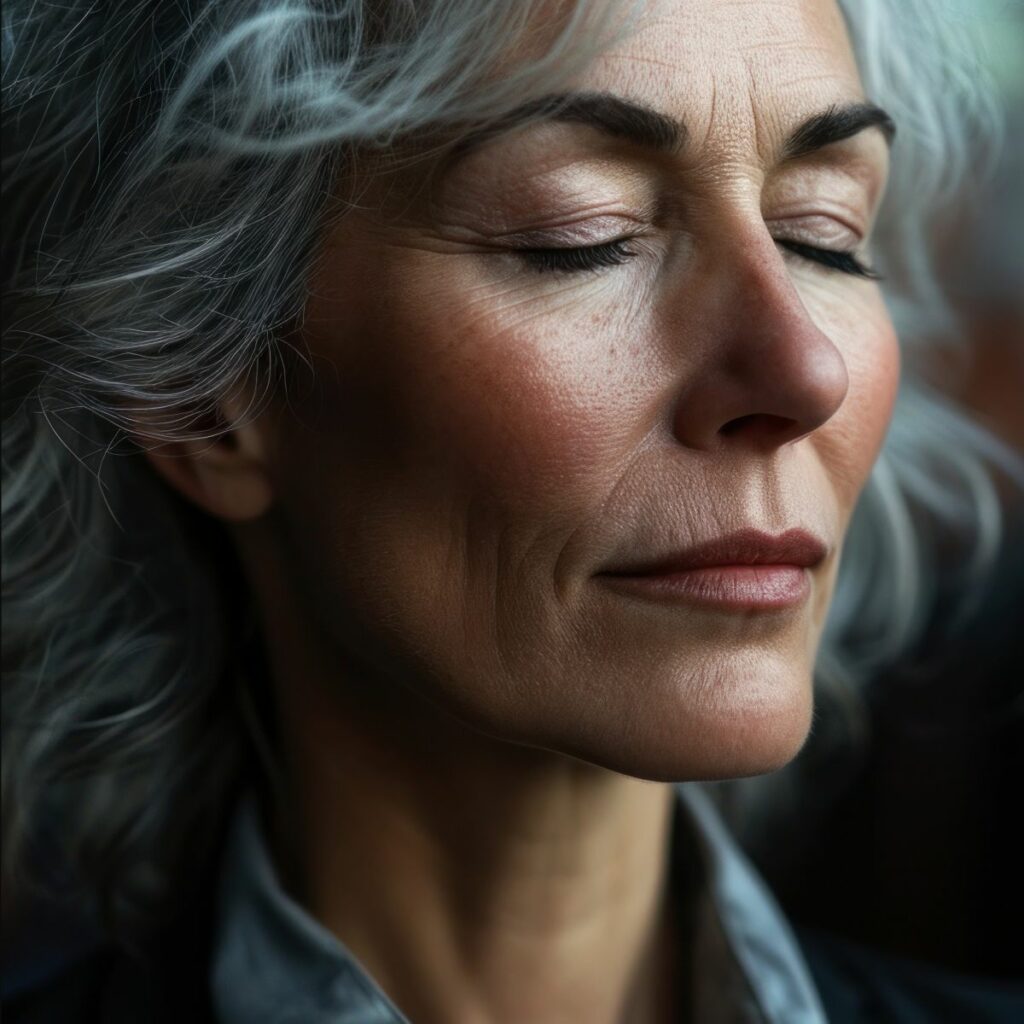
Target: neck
{"type": "Point", "coordinates": [476, 880]}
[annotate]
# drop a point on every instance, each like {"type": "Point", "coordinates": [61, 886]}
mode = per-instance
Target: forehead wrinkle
{"type": "Point", "coordinates": [737, 128]}
{"type": "Point", "coordinates": [752, 95]}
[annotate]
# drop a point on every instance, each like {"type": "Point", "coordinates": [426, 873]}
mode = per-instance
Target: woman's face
{"type": "Point", "coordinates": [584, 347]}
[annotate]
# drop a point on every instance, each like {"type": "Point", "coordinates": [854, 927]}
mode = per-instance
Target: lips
{"type": "Point", "coordinates": [746, 571]}
{"type": "Point", "coordinates": [744, 547]}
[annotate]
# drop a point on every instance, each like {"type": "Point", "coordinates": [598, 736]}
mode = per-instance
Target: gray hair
{"type": "Point", "coordinates": [167, 173]}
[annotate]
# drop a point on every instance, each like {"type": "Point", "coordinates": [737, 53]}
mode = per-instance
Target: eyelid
{"type": "Point", "coordinates": [830, 228]}
{"type": "Point", "coordinates": [822, 230]}
{"type": "Point", "coordinates": [583, 234]}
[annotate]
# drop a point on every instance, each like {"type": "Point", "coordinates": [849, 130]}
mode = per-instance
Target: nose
{"type": "Point", "coordinates": [766, 374]}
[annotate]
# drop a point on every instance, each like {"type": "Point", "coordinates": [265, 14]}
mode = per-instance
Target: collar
{"type": "Point", "coordinates": [274, 964]}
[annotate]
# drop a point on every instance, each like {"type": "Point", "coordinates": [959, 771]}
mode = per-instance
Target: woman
{"type": "Point", "coordinates": [432, 432]}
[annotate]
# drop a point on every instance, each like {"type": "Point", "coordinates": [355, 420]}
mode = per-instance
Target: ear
{"type": "Point", "coordinates": [226, 473]}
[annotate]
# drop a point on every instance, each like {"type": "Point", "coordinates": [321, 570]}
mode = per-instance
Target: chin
{"type": "Point", "coordinates": [737, 728]}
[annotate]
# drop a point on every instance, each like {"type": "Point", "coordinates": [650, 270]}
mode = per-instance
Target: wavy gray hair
{"type": "Point", "coordinates": [167, 174]}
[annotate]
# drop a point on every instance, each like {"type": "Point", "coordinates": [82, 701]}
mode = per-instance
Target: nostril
{"type": "Point", "coordinates": [763, 424]}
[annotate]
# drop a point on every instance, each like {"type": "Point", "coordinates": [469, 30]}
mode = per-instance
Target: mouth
{"type": "Point", "coordinates": [743, 571]}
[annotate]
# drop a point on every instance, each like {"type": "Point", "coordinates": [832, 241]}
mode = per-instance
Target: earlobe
{"type": "Point", "coordinates": [225, 474]}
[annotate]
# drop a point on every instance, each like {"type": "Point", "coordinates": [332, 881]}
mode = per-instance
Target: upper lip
{"type": "Point", "coordinates": [744, 547]}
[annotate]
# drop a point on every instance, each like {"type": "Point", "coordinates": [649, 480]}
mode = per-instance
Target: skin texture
{"type": "Point", "coordinates": [476, 729]}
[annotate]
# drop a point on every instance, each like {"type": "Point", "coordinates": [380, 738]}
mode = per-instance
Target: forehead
{"type": "Point", "coordinates": [734, 72]}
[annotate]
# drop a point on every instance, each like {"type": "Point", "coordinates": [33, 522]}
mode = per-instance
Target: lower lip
{"type": "Point", "coordinates": [731, 587]}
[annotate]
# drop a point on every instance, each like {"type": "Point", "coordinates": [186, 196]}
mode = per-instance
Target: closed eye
{"type": "Point", "coordinates": [577, 258]}
{"type": "Point", "coordinates": [844, 261]}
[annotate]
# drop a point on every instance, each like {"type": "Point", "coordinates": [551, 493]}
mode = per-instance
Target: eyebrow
{"type": "Point", "coordinates": [612, 115]}
{"type": "Point", "coordinates": [648, 128]}
{"type": "Point", "coordinates": [835, 124]}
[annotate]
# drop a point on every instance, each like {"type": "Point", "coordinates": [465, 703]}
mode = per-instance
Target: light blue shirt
{"type": "Point", "coordinates": [274, 964]}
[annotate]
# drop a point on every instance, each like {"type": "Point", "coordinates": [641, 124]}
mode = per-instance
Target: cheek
{"type": "Point", "coordinates": [461, 435]}
{"type": "Point", "coordinates": [513, 406]}
{"type": "Point", "coordinates": [535, 411]}
{"type": "Point", "coordinates": [503, 397]}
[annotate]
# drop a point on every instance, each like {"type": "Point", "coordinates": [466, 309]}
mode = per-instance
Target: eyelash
{"type": "Point", "coordinates": [612, 254]}
{"type": "Point", "coordinates": [844, 261]}
{"type": "Point", "coordinates": [590, 257]}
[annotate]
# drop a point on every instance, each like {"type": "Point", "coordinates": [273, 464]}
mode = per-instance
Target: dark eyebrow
{"type": "Point", "coordinates": [834, 125]}
{"type": "Point", "coordinates": [650, 129]}
{"type": "Point", "coordinates": [622, 119]}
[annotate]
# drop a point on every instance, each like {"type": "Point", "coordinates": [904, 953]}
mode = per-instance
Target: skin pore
{"type": "Point", "coordinates": [477, 732]}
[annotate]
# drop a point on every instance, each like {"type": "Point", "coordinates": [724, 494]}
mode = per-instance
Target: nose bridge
{"type": "Point", "coordinates": [769, 375]}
